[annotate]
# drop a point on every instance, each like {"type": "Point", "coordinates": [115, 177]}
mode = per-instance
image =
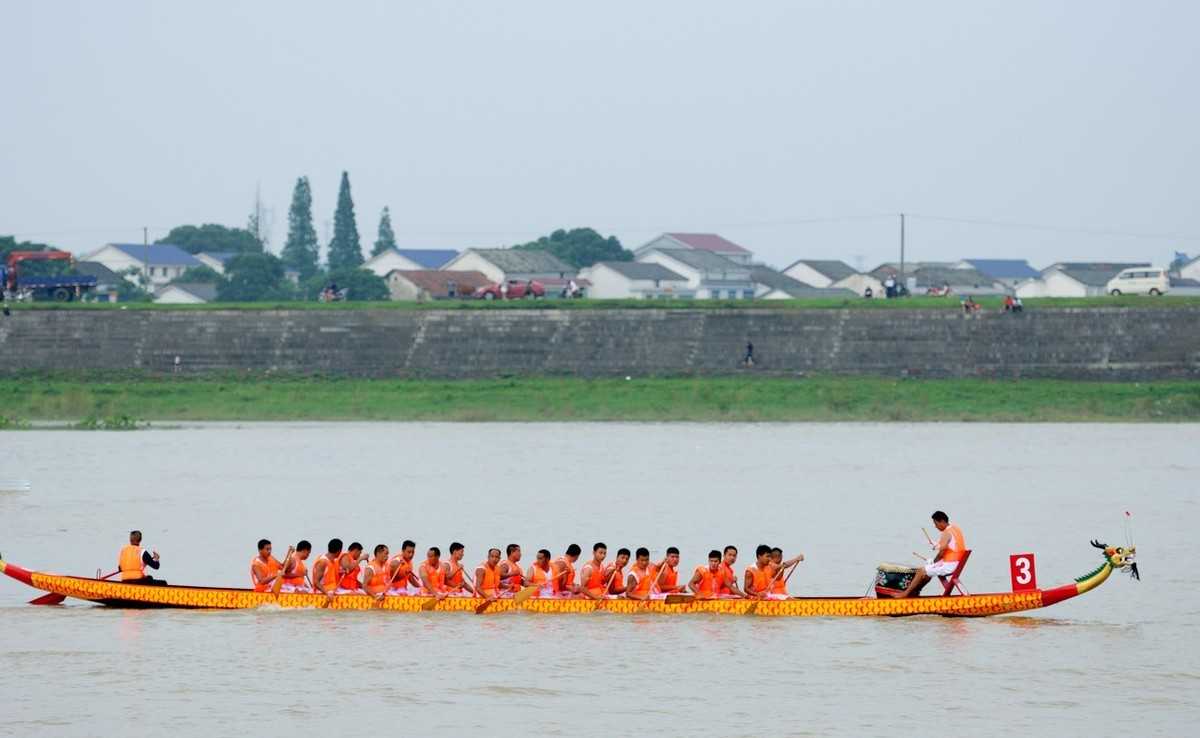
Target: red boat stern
{"type": "Point", "coordinates": [16, 572]}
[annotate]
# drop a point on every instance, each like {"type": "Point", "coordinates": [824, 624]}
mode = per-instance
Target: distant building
{"type": "Point", "coordinates": [408, 260]}
{"type": "Point", "coordinates": [433, 284]}
{"type": "Point", "coordinates": [186, 293]}
{"type": "Point", "coordinates": [1073, 279]}
{"type": "Point", "coordinates": [1009, 272]}
{"type": "Point", "coordinates": [709, 275]}
{"type": "Point", "coordinates": [961, 281]}
{"type": "Point", "coordinates": [772, 284]}
{"type": "Point", "coordinates": [1185, 287]}
{"type": "Point", "coordinates": [216, 260]}
{"type": "Point", "coordinates": [833, 274]}
{"type": "Point", "coordinates": [709, 242]}
{"type": "Point", "coordinates": [159, 262]}
{"type": "Point", "coordinates": [108, 282]}
{"type": "Point", "coordinates": [500, 265]}
{"type": "Point", "coordinates": [1190, 269]}
{"type": "Point", "coordinates": [636, 280]}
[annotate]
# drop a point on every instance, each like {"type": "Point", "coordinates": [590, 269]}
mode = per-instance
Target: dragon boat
{"type": "Point", "coordinates": [116, 594]}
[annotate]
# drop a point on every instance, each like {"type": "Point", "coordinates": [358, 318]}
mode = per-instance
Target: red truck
{"type": "Point", "coordinates": [60, 288]}
{"type": "Point", "coordinates": [515, 290]}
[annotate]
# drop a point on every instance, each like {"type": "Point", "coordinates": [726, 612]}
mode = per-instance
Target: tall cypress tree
{"type": "Point", "coordinates": [300, 250]}
{"type": "Point", "coordinates": [344, 250]}
{"type": "Point", "coordinates": [386, 240]}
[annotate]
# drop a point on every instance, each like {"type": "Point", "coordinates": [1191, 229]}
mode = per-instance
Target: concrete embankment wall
{"type": "Point", "coordinates": [1107, 343]}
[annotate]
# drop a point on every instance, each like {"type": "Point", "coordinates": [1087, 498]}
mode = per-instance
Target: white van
{"type": "Point", "coordinates": [1139, 281]}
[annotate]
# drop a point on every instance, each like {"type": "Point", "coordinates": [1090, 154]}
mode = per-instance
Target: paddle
{"type": "Point", "coordinates": [278, 583]}
{"type": "Point", "coordinates": [679, 598]}
{"type": "Point", "coordinates": [53, 598]}
{"type": "Point", "coordinates": [483, 606]}
{"type": "Point", "coordinates": [524, 594]}
{"type": "Point", "coordinates": [604, 595]}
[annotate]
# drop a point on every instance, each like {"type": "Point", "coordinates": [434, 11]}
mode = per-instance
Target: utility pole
{"type": "Point", "coordinates": [902, 281]}
{"type": "Point", "coordinates": [146, 246]}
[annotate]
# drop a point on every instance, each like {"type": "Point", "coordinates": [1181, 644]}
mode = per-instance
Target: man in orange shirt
{"type": "Point", "coordinates": [510, 569]}
{"type": "Point", "coordinates": [295, 571]}
{"type": "Point", "coordinates": [640, 581]}
{"type": "Point", "coordinates": [432, 577]}
{"type": "Point", "coordinates": [133, 560]}
{"type": "Point", "coordinates": [779, 583]}
{"type": "Point", "coordinates": [487, 576]}
{"type": "Point", "coordinates": [562, 577]}
{"type": "Point", "coordinates": [758, 577]}
{"type": "Point", "coordinates": [540, 572]}
{"type": "Point", "coordinates": [667, 580]}
{"type": "Point", "coordinates": [947, 552]}
{"type": "Point", "coordinates": [592, 574]}
{"type": "Point", "coordinates": [452, 573]}
{"type": "Point", "coordinates": [377, 574]}
{"type": "Point", "coordinates": [706, 580]}
{"type": "Point", "coordinates": [727, 585]}
{"type": "Point", "coordinates": [404, 579]}
{"type": "Point", "coordinates": [325, 574]}
{"type": "Point", "coordinates": [615, 573]}
{"type": "Point", "coordinates": [264, 568]}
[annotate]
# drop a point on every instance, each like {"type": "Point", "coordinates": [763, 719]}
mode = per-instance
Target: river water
{"type": "Point", "coordinates": [1119, 661]}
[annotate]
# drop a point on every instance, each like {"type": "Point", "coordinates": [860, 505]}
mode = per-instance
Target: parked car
{"type": "Point", "coordinates": [1139, 281]}
{"type": "Point", "coordinates": [516, 290]}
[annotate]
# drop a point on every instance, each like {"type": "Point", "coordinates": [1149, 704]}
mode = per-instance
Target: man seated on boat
{"type": "Point", "coordinates": [779, 586]}
{"type": "Point", "coordinates": [433, 580]}
{"type": "Point", "coordinates": [325, 574]}
{"type": "Point", "coordinates": [133, 560]}
{"type": "Point", "coordinates": [487, 576]}
{"type": "Point", "coordinates": [377, 574]}
{"type": "Point", "coordinates": [540, 572]}
{"type": "Point", "coordinates": [562, 577]}
{"type": "Point", "coordinates": [592, 574]}
{"type": "Point", "coordinates": [404, 579]}
{"type": "Point", "coordinates": [264, 568]}
{"type": "Point", "coordinates": [727, 587]}
{"type": "Point", "coordinates": [760, 577]}
{"type": "Point", "coordinates": [948, 551]}
{"type": "Point", "coordinates": [666, 580]}
{"type": "Point", "coordinates": [640, 581]}
{"type": "Point", "coordinates": [452, 573]}
{"type": "Point", "coordinates": [510, 569]}
{"type": "Point", "coordinates": [349, 565]}
{"type": "Point", "coordinates": [706, 580]}
{"type": "Point", "coordinates": [295, 571]}
{"type": "Point", "coordinates": [614, 574]}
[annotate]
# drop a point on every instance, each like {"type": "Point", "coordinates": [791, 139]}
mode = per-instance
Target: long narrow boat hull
{"type": "Point", "coordinates": [116, 594]}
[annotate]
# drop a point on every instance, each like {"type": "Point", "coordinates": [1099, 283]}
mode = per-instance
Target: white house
{"type": "Point", "coordinates": [1072, 279]}
{"type": "Point", "coordinates": [215, 260]}
{"type": "Point", "coordinates": [186, 293]}
{"type": "Point", "coordinates": [159, 262]}
{"type": "Point", "coordinates": [410, 260]}
{"type": "Point", "coordinates": [638, 280]}
{"type": "Point", "coordinates": [1191, 270]}
{"type": "Point", "coordinates": [831, 273]}
{"type": "Point", "coordinates": [710, 276]}
{"type": "Point", "coordinates": [771, 284]}
{"type": "Point", "coordinates": [502, 265]}
{"type": "Point", "coordinates": [710, 242]}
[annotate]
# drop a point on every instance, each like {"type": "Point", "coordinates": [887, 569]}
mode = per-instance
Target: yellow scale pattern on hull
{"type": "Point", "coordinates": [970, 605]}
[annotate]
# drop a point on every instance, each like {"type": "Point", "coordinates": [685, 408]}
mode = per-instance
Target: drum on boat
{"type": "Point", "coordinates": [892, 579]}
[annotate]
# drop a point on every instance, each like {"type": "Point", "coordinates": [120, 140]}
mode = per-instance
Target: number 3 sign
{"type": "Point", "coordinates": [1024, 574]}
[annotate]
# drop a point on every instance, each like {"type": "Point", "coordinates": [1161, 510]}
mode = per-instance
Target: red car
{"type": "Point", "coordinates": [516, 290]}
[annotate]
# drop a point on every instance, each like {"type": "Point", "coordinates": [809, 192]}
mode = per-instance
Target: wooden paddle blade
{"type": "Point", "coordinates": [49, 599]}
{"type": "Point", "coordinates": [525, 594]}
{"type": "Point", "coordinates": [483, 606]}
{"type": "Point", "coordinates": [753, 608]}
{"type": "Point", "coordinates": [679, 599]}
{"type": "Point", "coordinates": [278, 583]}
{"type": "Point", "coordinates": [429, 604]}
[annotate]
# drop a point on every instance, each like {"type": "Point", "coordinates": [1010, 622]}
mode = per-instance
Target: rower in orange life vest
{"type": "Point", "coordinates": [592, 574]}
{"type": "Point", "coordinates": [779, 585]}
{"type": "Point", "coordinates": [639, 582]}
{"type": "Point", "coordinates": [295, 571]}
{"type": "Point", "coordinates": [487, 576]}
{"type": "Point", "coordinates": [539, 574]}
{"type": "Point", "coordinates": [562, 577]}
{"type": "Point", "coordinates": [264, 568]}
{"type": "Point", "coordinates": [452, 573]}
{"type": "Point", "coordinates": [133, 560]}
{"type": "Point", "coordinates": [377, 574]}
{"type": "Point", "coordinates": [432, 578]}
{"type": "Point", "coordinates": [325, 574]}
{"type": "Point", "coordinates": [510, 569]}
{"type": "Point", "coordinates": [666, 581]}
{"type": "Point", "coordinates": [706, 580]}
{"type": "Point", "coordinates": [948, 551]}
{"type": "Point", "coordinates": [348, 565]}
{"type": "Point", "coordinates": [758, 577]}
{"type": "Point", "coordinates": [615, 572]}
{"type": "Point", "coordinates": [404, 579]}
{"type": "Point", "coordinates": [727, 586]}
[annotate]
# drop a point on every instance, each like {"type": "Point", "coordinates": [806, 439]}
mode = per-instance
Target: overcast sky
{"type": "Point", "coordinates": [798, 129]}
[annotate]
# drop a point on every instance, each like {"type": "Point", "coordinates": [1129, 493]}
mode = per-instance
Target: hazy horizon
{"type": "Point", "coordinates": [798, 130]}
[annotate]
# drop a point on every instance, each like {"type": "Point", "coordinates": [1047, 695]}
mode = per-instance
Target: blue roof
{"type": "Point", "coordinates": [161, 254]}
{"type": "Point", "coordinates": [1004, 268]}
{"type": "Point", "coordinates": [429, 258]}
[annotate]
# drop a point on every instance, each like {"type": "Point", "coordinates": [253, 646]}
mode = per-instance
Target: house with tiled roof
{"type": "Point", "coordinates": [771, 284]}
{"type": "Point", "coordinates": [634, 280]}
{"type": "Point", "coordinates": [433, 284]}
{"type": "Point", "coordinates": [1190, 269]}
{"type": "Point", "coordinates": [710, 242]}
{"type": "Point", "coordinates": [709, 275]}
{"type": "Point", "coordinates": [408, 260]}
{"type": "Point", "coordinates": [1009, 272]}
{"type": "Point", "coordinates": [501, 265]}
{"type": "Point", "coordinates": [186, 293]}
{"type": "Point", "coordinates": [1073, 279]}
{"type": "Point", "coordinates": [159, 262]}
{"type": "Point", "coordinates": [834, 274]}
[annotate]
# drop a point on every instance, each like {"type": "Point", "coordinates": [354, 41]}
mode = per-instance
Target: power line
{"type": "Point", "coordinates": [1058, 229]}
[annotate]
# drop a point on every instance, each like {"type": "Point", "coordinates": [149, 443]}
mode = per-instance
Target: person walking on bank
{"type": "Point", "coordinates": [133, 560]}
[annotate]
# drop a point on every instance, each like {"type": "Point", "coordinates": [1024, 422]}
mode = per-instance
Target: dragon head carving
{"type": "Point", "coordinates": [1120, 558]}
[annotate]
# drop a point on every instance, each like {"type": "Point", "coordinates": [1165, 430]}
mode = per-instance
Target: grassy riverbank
{"type": "Point", "coordinates": [738, 399]}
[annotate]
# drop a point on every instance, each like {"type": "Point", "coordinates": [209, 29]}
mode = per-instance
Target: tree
{"type": "Point", "coordinates": [300, 250]}
{"type": "Point", "coordinates": [9, 244]}
{"type": "Point", "coordinates": [133, 286]}
{"type": "Point", "coordinates": [213, 237]}
{"type": "Point", "coordinates": [199, 274]}
{"type": "Point", "coordinates": [386, 240]}
{"type": "Point", "coordinates": [345, 249]}
{"type": "Point", "coordinates": [580, 247]}
{"type": "Point", "coordinates": [253, 278]}
{"type": "Point", "coordinates": [360, 284]}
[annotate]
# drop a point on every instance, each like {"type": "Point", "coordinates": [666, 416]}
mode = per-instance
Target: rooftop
{"type": "Point", "coordinates": [832, 268]}
{"type": "Point", "coordinates": [436, 281]}
{"type": "Point", "coordinates": [158, 254]}
{"type": "Point", "coordinates": [709, 242]}
{"type": "Point", "coordinates": [203, 290]}
{"type": "Point", "coordinates": [705, 261]}
{"type": "Point", "coordinates": [524, 261]}
{"type": "Point", "coordinates": [103, 274]}
{"type": "Point", "coordinates": [1004, 268]}
{"type": "Point", "coordinates": [641, 270]}
{"type": "Point", "coordinates": [428, 258]}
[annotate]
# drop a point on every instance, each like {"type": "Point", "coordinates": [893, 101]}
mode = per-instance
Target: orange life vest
{"type": "Point", "coordinates": [761, 578]}
{"type": "Point", "coordinates": [129, 561]}
{"type": "Point", "coordinates": [264, 569]}
{"type": "Point", "coordinates": [779, 586]}
{"type": "Point", "coordinates": [670, 578]}
{"type": "Point", "coordinates": [435, 575]}
{"type": "Point", "coordinates": [538, 577]}
{"type": "Point", "coordinates": [725, 575]}
{"type": "Point", "coordinates": [563, 582]}
{"type": "Point", "coordinates": [595, 581]}
{"type": "Point", "coordinates": [644, 580]}
{"type": "Point", "coordinates": [514, 575]}
{"type": "Point", "coordinates": [379, 576]}
{"type": "Point", "coordinates": [957, 541]}
{"type": "Point", "coordinates": [489, 582]}
{"type": "Point", "coordinates": [454, 582]}
{"type": "Point", "coordinates": [299, 570]}
{"type": "Point", "coordinates": [349, 579]}
{"type": "Point", "coordinates": [329, 577]}
{"type": "Point", "coordinates": [616, 579]}
{"type": "Point", "coordinates": [403, 572]}
{"type": "Point", "coordinates": [710, 582]}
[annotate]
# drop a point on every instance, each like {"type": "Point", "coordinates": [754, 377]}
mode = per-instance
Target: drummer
{"type": "Point", "coordinates": [947, 553]}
